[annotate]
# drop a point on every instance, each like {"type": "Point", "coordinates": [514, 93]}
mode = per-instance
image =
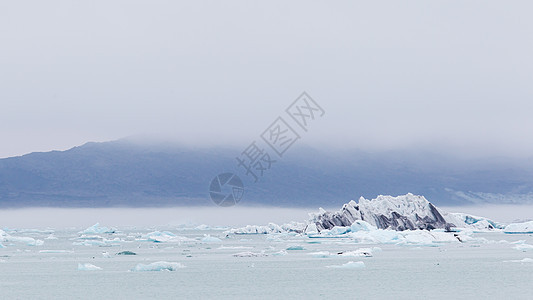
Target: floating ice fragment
{"type": "Point", "coordinates": [234, 247]}
{"type": "Point", "coordinates": [210, 239]}
{"type": "Point", "coordinates": [525, 260]}
{"type": "Point", "coordinates": [202, 227]}
{"type": "Point", "coordinates": [250, 254]}
{"type": "Point", "coordinates": [158, 266]}
{"type": "Point", "coordinates": [28, 240]}
{"type": "Point", "coordinates": [164, 237]}
{"type": "Point", "coordinates": [280, 253]}
{"type": "Point", "coordinates": [349, 265]}
{"type": "Point", "coordinates": [126, 253]}
{"type": "Point", "coordinates": [363, 252]}
{"type": "Point", "coordinates": [295, 248]}
{"type": "Point", "coordinates": [321, 254]}
{"type": "Point", "coordinates": [517, 228]}
{"type": "Point", "coordinates": [97, 229]}
{"type": "Point", "coordinates": [55, 251]}
{"type": "Point", "coordinates": [523, 247]}
{"type": "Point", "coordinates": [88, 267]}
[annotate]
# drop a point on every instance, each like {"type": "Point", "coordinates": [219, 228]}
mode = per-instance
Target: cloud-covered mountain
{"type": "Point", "coordinates": [128, 173]}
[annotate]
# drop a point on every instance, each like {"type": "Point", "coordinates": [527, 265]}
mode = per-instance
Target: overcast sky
{"type": "Point", "coordinates": [451, 76]}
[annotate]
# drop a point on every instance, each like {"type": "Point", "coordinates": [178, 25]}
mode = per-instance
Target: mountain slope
{"type": "Point", "coordinates": [126, 173]}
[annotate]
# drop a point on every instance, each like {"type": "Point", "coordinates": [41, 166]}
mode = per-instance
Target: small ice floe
{"type": "Point", "coordinates": [234, 247]}
{"type": "Point", "coordinates": [97, 229]}
{"type": "Point", "coordinates": [250, 254]}
{"type": "Point", "coordinates": [525, 260]}
{"type": "Point", "coordinates": [165, 237]}
{"type": "Point", "coordinates": [280, 253]}
{"type": "Point", "coordinates": [55, 251]}
{"type": "Point", "coordinates": [51, 237]}
{"type": "Point", "coordinates": [256, 229]}
{"type": "Point", "coordinates": [321, 254]}
{"type": "Point", "coordinates": [106, 254]}
{"type": "Point", "coordinates": [363, 252]}
{"type": "Point", "coordinates": [158, 266]}
{"type": "Point", "coordinates": [27, 240]}
{"type": "Point", "coordinates": [202, 227]}
{"type": "Point", "coordinates": [126, 253]}
{"type": "Point", "coordinates": [349, 265]}
{"type": "Point", "coordinates": [2, 246]}
{"type": "Point", "coordinates": [88, 267]}
{"type": "Point", "coordinates": [295, 248]}
{"type": "Point", "coordinates": [211, 239]}
{"type": "Point", "coordinates": [519, 228]}
{"type": "Point", "coordinates": [523, 247]}
{"type": "Point", "coordinates": [96, 240]}
{"type": "Point", "coordinates": [2, 261]}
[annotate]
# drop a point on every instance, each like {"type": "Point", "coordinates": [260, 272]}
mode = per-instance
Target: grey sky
{"type": "Point", "coordinates": [446, 75]}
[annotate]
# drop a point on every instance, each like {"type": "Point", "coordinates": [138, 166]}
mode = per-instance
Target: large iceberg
{"type": "Point", "coordinates": [385, 212]}
{"type": "Point", "coordinates": [407, 212]}
{"type": "Point", "coordinates": [407, 219]}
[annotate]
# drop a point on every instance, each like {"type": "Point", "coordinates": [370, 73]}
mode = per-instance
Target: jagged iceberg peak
{"type": "Point", "coordinates": [385, 212]}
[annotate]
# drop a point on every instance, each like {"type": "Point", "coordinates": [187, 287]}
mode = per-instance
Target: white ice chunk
{"type": "Point", "coordinates": [362, 252]}
{"type": "Point", "coordinates": [523, 247]}
{"type": "Point", "coordinates": [55, 251]}
{"type": "Point", "coordinates": [250, 254]}
{"type": "Point", "coordinates": [234, 247]}
{"type": "Point", "coordinates": [51, 237]}
{"type": "Point", "coordinates": [349, 265]}
{"type": "Point", "coordinates": [280, 253]}
{"type": "Point", "coordinates": [165, 236]}
{"type": "Point", "coordinates": [27, 240]}
{"type": "Point", "coordinates": [525, 260]}
{"type": "Point", "coordinates": [210, 239]}
{"type": "Point", "coordinates": [158, 266]}
{"type": "Point", "coordinates": [88, 267]}
{"type": "Point", "coordinates": [296, 247]}
{"type": "Point", "coordinates": [526, 227]}
{"type": "Point", "coordinates": [321, 254]}
{"type": "Point", "coordinates": [97, 229]}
